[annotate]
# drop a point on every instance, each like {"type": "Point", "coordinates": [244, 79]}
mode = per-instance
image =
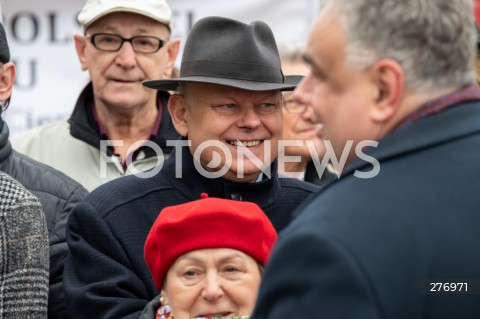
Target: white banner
{"type": "Point", "coordinates": [49, 78]}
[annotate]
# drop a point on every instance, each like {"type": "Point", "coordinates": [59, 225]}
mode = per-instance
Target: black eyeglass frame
{"type": "Point", "coordinates": [92, 37]}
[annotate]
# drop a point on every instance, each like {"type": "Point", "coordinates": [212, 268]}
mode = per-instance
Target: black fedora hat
{"type": "Point", "coordinates": [229, 52]}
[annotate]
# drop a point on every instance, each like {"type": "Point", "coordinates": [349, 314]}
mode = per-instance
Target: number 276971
{"type": "Point", "coordinates": [448, 287]}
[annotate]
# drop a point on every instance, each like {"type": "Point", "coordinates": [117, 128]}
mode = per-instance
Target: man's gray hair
{"type": "Point", "coordinates": [433, 40]}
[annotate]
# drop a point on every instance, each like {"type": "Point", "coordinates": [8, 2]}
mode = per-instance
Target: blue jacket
{"type": "Point", "coordinates": [370, 248]}
{"type": "Point", "coordinates": [105, 273]}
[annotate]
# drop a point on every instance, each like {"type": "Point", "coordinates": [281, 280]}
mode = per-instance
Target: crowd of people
{"type": "Point", "coordinates": [204, 192]}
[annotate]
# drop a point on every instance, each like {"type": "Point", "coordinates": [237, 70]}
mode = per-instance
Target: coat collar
{"type": "Point", "coordinates": [84, 127]}
{"type": "Point", "coordinates": [441, 128]}
{"type": "Point", "coordinates": [5, 146]}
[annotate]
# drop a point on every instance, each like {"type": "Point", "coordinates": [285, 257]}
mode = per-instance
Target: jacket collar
{"type": "Point", "coordinates": [84, 128]}
{"type": "Point", "coordinates": [441, 128]}
{"type": "Point", "coordinates": [5, 146]}
{"type": "Point", "coordinates": [192, 183]}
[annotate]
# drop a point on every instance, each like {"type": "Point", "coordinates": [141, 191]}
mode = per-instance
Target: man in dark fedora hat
{"type": "Point", "coordinates": [229, 111]}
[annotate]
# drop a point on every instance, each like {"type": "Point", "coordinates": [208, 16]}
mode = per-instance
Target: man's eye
{"type": "Point", "coordinates": [266, 107]}
{"type": "Point", "coordinates": [227, 106]}
{"type": "Point", "coordinates": [108, 40]}
{"type": "Point", "coordinates": [144, 42]}
{"type": "Point", "coordinates": [319, 75]}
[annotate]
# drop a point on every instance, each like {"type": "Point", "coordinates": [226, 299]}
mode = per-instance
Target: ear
{"type": "Point", "coordinates": [177, 109]}
{"type": "Point", "coordinates": [164, 298]}
{"type": "Point", "coordinates": [173, 46]}
{"type": "Point", "coordinates": [7, 78]}
{"type": "Point", "coordinates": [389, 81]}
{"type": "Point", "coordinates": [80, 46]}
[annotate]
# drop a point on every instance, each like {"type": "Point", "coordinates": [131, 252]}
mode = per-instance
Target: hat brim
{"type": "Point", "coordinates": [291, 82]}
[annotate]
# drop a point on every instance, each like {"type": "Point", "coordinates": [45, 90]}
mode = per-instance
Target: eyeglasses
{"type": "Point", "coordinates": [113, 42]}
{"type": "Point", "coordinates": [293, 107]}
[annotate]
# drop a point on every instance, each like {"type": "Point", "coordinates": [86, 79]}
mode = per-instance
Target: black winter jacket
{"type": "Point", "coordinates": [105, 272]}
{"type": "Point", "coordinates": [58, 194]}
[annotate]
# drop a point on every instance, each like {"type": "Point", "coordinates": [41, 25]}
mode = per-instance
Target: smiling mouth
{"type": "Point", "coordinates": [245, 143]}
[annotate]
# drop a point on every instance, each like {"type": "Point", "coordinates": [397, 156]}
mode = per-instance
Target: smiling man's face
{"type": "Point", "coordinates": [229, 120]}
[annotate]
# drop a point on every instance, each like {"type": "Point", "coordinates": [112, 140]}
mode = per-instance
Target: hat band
{"type": "Point", "coordinates": [232, 70]}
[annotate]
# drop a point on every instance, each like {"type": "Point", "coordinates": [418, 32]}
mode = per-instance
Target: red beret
{"type": "Point", "coordinates": [207, 223]}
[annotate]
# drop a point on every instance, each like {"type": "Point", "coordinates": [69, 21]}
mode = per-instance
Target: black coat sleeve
{"type": "Point", "coordinates": [313, 277]}
{"type": "Point", "coordinates": [59, 250]}
{"type": "Point", "coordinates": [99, 281]}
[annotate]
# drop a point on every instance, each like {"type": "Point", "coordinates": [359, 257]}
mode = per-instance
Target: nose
{"type": "Point", "coordinates": [126, 56]}
{"type": "Point", "coordinates": [212, 290]}
{"type": "Point", "coordinates": [302, 93]}
{"type": "Point", "coordinates": [307, 115]}
{"type": "Point", "coordinates": [249, 118]}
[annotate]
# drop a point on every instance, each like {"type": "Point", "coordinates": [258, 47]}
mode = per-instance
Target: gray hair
{"type": "Point", "coordinates": [433, 40]}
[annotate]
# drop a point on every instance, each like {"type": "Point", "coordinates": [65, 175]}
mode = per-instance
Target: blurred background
{"type": "Point", "coordinates": [49, 78]}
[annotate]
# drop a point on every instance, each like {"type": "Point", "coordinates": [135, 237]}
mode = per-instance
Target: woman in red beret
{"type": "Point", "coordinates": [206, 257]}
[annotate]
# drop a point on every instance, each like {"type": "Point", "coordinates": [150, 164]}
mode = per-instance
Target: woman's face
{"type": "Point", "coordinates": [220, 282]}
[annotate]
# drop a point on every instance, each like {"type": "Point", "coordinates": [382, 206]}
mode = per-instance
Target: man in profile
{"type": "Point", "coordinates": [402, 244]}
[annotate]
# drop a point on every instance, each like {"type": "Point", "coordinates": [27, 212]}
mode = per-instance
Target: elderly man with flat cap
{"type": "Point", "coordinates": [118, 127]}
{"type": "Point", "coordinates": [229, 111]}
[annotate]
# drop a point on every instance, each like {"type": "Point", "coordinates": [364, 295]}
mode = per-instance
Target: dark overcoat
{"type": "Point", "coordinates": [374, 248]}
